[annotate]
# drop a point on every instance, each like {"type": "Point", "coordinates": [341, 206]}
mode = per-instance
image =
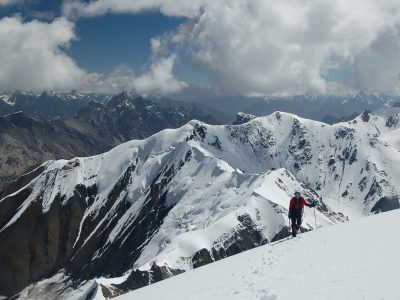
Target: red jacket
{"type": "Point", "coordinates": [297, 204]}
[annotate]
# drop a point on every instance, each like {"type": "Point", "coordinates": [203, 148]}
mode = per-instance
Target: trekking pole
{"type": "Point", "coordinates": [315, 219]}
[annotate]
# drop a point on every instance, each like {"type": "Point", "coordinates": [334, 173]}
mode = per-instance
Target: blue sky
{"type": "Point", "coordinates": [106, 42]}
{"type": "Point", "coordinates": [111, 40]}
{"type": "Point", "coordinates": [248, 47]}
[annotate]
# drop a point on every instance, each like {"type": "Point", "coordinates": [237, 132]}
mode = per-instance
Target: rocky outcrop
{"type": "Point", "coordinates": [242, 118]}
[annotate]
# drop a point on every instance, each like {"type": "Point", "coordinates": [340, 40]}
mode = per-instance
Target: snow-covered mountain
{"type": "Point", "coordinates": [182, 198]}
{"type": "Point", "coordinates": [312, 266]}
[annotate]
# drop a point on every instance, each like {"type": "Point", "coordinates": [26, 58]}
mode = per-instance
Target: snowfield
{"type": "Point", "coordinates": [354, 260]}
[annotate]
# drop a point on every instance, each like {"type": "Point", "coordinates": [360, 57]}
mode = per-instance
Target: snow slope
{"type": "Point", "coordinates": [353, 260]}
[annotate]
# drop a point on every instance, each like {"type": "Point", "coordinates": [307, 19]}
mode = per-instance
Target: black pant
{"type": "Point", "coordinates": [296, 222]}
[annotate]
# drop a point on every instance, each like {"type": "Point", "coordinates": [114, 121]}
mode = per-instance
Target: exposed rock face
{"type": "Point", "coordinates": [242, 118]}
{"type": "Point", "coordinates": [393, 120]}
{"type": "Point", "coordinates": [365, 116]}
{"type": "Point", "coordinates": [386, 204]}
{"type": "Point", "coordinates": [247, 236]}
{"type": "Point", "coordinates": [26, 142]}
{"type": "Point", "coordinates": [329, 119]}
{"type": "Point", "coordinates": [182, 198]}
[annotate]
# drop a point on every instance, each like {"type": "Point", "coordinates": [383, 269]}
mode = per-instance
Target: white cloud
{"type": "Point", "coordinates": [31, 56]}
{"type": "Point", "coordinates": [8, 2]}
{"type": "Point", "coordinates": [185, 8]}
{"type": "Point", "coordinates": [377, 68]}
{"type": "Point", "coordinates": [278, 47]}
{"type": "Point", "coordinates": [158, 80]}
{"type": "Point", "coordinates": [274, 47]}
{"type": "Point", "coordinates": [245, 46]}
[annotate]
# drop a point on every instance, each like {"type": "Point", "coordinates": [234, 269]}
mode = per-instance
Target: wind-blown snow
{"type": "Point", "coordinates": [354, 260]}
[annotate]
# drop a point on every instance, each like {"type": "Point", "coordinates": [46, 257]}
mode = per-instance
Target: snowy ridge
{"type": "Point", "coordinates": [186, 230]}
{"type": "Point", "coordinates": [186, 197]}
{"type": "Point", "coordinates": [315, 261]}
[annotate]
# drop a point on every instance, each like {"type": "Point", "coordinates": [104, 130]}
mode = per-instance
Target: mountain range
{"type": "Point", "coordinates": [28, 141]}
{"type": "Point", "coordinates": [47, 104]}
{"type": "Point", "coordinates": [326, 108]}
{"type": "Point", "coordinates": [182, 198]}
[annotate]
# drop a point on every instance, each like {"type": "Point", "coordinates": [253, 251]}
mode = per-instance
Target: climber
{"type": "Point", "coordinates": [296, 206]}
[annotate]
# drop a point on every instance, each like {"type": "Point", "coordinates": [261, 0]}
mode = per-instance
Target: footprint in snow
{"type": "Point", "coordinates": [260, 294]}
{"type": "Point", "coordinates": [265, 294]}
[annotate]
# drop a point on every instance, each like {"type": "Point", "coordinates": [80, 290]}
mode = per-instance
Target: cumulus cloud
{"type": "Point", "coordinates": [31, 56]}
{"type": "Point", "coordinates": [287, 47]}
{"type": "Point", "coordinates": [158, 79]}
{"type": "Point", "coordinates": [278, 47]}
